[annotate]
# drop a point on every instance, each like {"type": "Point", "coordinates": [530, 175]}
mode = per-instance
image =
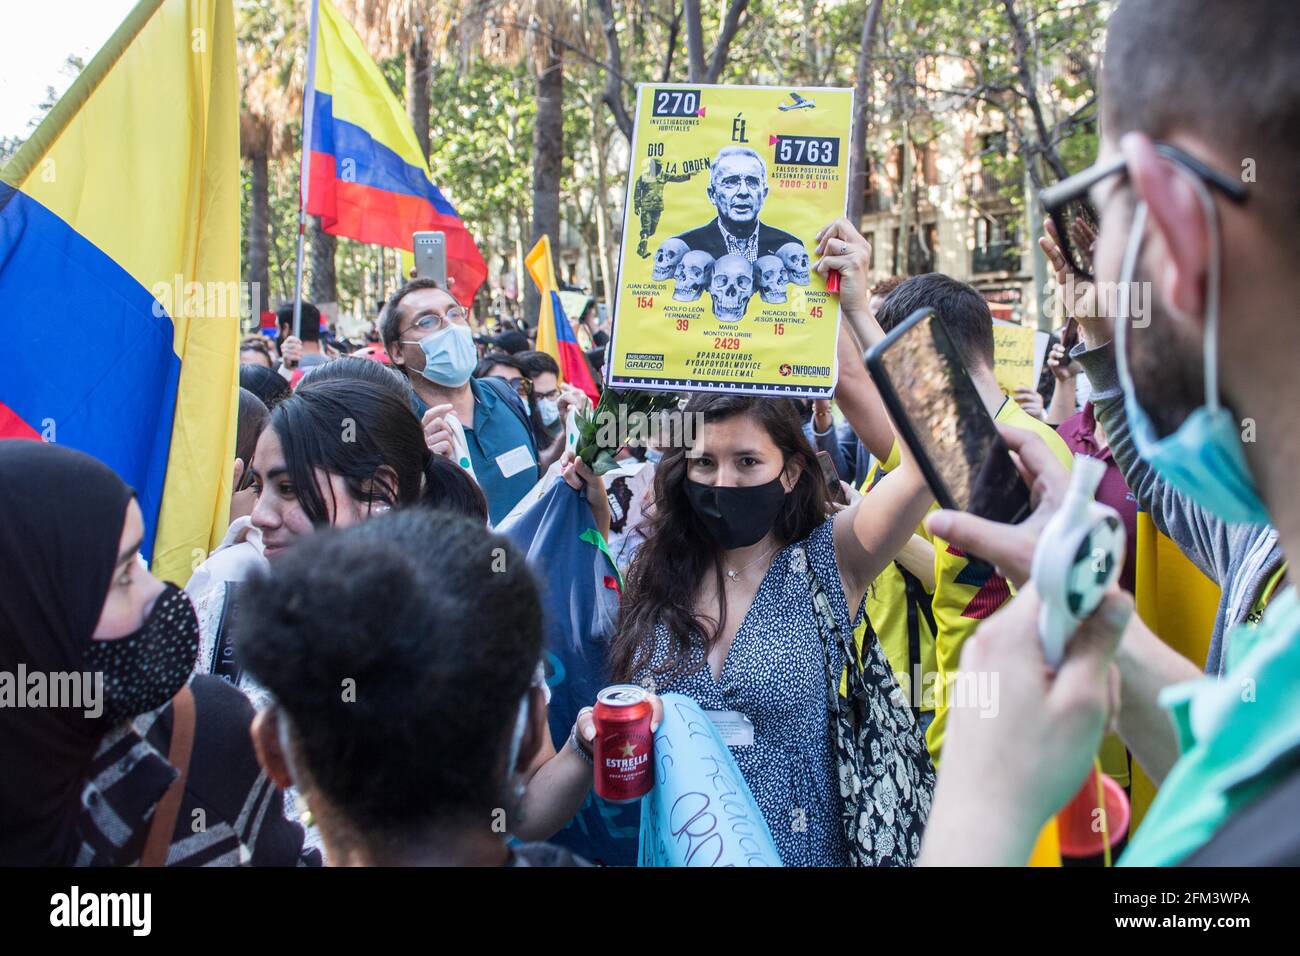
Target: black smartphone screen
{"type": "Point", "coordinates": [831, 477]}
{"type": "Point", "coordinates": [940, 415]}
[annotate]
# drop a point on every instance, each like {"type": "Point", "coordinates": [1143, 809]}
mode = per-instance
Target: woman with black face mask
{"type": "Point", "coordinates": [107, 756]}
{"type": "Point", "coordinates": [741, 597]}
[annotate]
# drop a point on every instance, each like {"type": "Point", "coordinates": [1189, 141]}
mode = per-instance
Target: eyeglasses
{"type": "Point", "coordinates": [429, 322]}
{"type": "Point", "coordinates": [521, 385]}
{"type": "Point", "coordinates": [1076, 220]}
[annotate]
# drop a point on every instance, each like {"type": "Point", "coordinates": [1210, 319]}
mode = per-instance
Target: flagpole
{"type": "Point", "coordinates": [304, 162]}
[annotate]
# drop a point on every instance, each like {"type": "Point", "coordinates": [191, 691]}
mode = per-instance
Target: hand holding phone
{"type": "Point", "coordinates": [941, 417]}
{"type": "Point", "coordinates": [833, 490]}
{"type": "Point", "coordinates": [431, 256]}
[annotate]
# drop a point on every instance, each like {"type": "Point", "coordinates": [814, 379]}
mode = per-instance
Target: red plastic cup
{"type": "Point", "coordinates": [1078, 824]}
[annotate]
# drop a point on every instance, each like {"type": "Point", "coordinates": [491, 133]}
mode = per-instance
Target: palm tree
{"type": "Point", "coordinates": [323, 287]}
{"type": "Point", "coordinates": [539, 32]}
{"type": "Point", "coordinates": [272, 98]}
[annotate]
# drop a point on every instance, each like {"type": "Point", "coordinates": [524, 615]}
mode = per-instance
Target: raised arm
{"type": "Point", "coordinates": [844, 249]}
{"type": "Point", "coordinates": [871, 532]}
{"type": "Point", "coordinates": [1206, 539]}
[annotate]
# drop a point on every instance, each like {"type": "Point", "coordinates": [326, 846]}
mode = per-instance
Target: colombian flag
{"type": "Point", "coordinates": [119, 272]}
{"type": "Point", "coordinates": [554, 331]}
{"type": "Point", "coordinates": [368, 179]}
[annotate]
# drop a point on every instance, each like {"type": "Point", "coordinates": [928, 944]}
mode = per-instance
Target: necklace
{"type": "Point", "coordinates": [734, 575]}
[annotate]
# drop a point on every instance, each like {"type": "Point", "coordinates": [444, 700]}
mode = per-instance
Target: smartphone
{"type": "Point", "coordinates": [1070, 334]}
{"type": "Point", "coordinates": [431, 256]}
{"type": "Point", "coordinates": [940, 415]}
{"type": "Point", "coordinates": [832, 479]}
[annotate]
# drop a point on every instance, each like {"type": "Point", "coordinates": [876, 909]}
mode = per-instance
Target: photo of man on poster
{"type": "Point", "coordinates": [737, 188]}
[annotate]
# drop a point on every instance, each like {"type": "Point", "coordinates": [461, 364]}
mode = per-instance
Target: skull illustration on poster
{"type": "Point", "coordinates": [666, 258]}
{"type": "Point", "coordinates": [731, 287]}
{"type": "Point", "coordinates": [693, 274]}
{"type": "Point", "coordinates": [772, 279]}
{"type": "Point", "coordinates": [795, 258]}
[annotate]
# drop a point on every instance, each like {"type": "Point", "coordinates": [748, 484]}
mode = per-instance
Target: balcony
{"type": "Point", "coordinates": [986, 185]}
{"type": "Point", "coordinates": [876, 201]}
{"type": "Point", "coordinates": [996, 257]}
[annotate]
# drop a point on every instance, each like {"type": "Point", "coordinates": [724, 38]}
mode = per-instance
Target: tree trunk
{"type": "Point", "coordinates": [259, 239]}
{"type": "Point", "coordinates": [604, 247]}
{"type": "Point", "coordinates": [694, 41]}
{"type": "Point", "coordinates": [1025, 72]}
{"type": "Point", "coordinates": [905, 210]}
{"type": "Point", "coordinates": [324, 284]}
{"type": "Point", "coordinates": [548, 159]}
{"type": "Point", "coordinates": [859, 166]}
{"type": "Point", "coordinates": [727, 33]}
{"type": "Point", "coordinates": [522, 282]}
{"type": "Point", "coordinates": [613, 94]}
{"type": "Point", "coordinates": [417, 88]}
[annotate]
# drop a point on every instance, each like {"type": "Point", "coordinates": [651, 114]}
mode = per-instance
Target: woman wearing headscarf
{"type": "Point", "coordinates": [105, 748]}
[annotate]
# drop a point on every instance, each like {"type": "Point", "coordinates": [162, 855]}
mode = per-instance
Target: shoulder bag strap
{"type": "Point", "coordinates": [159, 840]}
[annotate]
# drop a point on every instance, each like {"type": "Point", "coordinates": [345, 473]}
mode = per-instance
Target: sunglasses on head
{"type": "Point", "coordinates": [1076, 219]}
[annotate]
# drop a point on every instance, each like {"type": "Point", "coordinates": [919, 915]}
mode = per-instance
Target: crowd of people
{"type": "Point", "coordinates": [357, 675]}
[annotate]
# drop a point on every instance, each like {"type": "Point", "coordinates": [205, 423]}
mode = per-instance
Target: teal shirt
{"type": "Point", "coordinates": [1238, 736]}
{"type": "Point", "coordinates": [499, 438]}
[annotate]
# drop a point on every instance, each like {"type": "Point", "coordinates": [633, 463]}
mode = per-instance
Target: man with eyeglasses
{"type": "Point", "coordinates": [428, 338]}
{"type": "Point", "coordinates": [737, 188]}
{"type": "Point", "coordinates": [1197, 202]}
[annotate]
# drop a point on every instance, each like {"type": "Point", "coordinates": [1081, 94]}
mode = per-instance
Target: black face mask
{"type": "Point", "coordinates": [145, 669]}
{"type": "Point", "coordinates": [737, 517]}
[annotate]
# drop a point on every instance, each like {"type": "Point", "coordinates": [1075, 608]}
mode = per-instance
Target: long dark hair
{"type": "Point", "coordinates": [678, 551]}
{"type": "Point", "coordinates": [351, 428]}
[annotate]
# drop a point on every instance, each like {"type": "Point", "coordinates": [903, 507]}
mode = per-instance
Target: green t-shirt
{"type": "Point", "coordinates": [1238, 735]}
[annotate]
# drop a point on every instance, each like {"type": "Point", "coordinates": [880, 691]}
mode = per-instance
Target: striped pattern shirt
{"type": "Point", "coordinates": [231, 814]}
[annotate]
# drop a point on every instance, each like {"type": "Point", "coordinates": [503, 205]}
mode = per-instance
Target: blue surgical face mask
{"type": "Point", "coordinates": [549, 409]}
{"type": "Point", "coordinates": [1203, 458]}
{"type": "Point", "coordinates": [654, 455]}
{"type": "Point", "coordinates": [449, 355]}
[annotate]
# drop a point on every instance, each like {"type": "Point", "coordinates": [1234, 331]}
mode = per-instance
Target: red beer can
{"type": "Point", "coordinates": [624, 745]}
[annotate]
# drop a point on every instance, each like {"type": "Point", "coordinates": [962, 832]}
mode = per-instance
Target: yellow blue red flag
{"type": "Point", "coordinates": [119, 272]}
{"type": "Point", "coordinates": [554, 331]}
{"type": "Point", "coordinates": [368, 177]}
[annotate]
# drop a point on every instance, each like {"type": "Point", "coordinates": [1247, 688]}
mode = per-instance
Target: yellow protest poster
{"type": "Point", "coordinates": [728, 188]}
{"type": "Point", "coordinates": [1013, 356]}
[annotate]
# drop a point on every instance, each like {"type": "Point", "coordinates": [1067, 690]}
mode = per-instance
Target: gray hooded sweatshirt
{"type": "Point", "coordinates": [1240, 558]}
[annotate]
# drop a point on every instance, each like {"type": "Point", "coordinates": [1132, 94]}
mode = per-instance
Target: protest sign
{"type": "Point", "coordinates": [729, 188]}
{"type": "Point", "coordinates": [700, 811]}
{"type": "Point", "coordinates": [1013, 356]}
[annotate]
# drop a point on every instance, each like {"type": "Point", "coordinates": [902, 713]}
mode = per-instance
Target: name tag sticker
{"type": "Point", "coordinates": [733, 726]}
{"type": "Point", "coordinates": [515, 461]}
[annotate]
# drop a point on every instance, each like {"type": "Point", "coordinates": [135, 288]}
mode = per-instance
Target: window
{"type": "Point", "coordinates": [997, 247]}
{"type": "Point", "coordinates": [922, 250]}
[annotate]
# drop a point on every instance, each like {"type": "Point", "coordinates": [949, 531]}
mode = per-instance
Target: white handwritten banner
{"type": "Point", "coordinates": [700, 811]}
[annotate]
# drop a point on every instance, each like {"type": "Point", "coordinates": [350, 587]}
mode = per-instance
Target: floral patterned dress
{"type": "Point", "coordinates": [775, 674]}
